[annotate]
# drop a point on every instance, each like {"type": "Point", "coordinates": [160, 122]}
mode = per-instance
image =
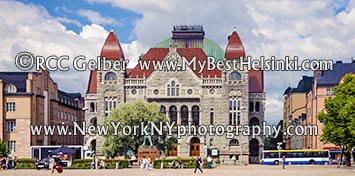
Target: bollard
{"type": "Point", "coordinates": [162, 165]}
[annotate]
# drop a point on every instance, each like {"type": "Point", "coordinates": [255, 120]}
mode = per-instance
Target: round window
{"type": "Point", "coordinates": [134, 91]}
{"type": "Point", "coordinates": [189, 91]}
{"type": "Point", "coordinates": [156, 91]}
{"type": "Point", "coordinates": [212, 91]}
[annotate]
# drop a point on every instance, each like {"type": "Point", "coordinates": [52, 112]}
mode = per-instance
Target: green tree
{"type": "Point", "coordinates": [3, 149]}
{"type": "Point", "coordinates": [133, 114]}
{"type": "Point", "coordinates": [338, 116]}
{"type": "Point", "coordinates": [271, 142]}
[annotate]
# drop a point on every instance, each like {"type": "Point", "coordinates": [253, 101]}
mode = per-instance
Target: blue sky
{"type": "Point", "coordinates": [69, 9]}
{"type": "Point", "coordinates": [319, 29]}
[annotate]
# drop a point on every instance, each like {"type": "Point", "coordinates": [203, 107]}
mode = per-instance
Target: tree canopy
{"type": "Point", "coordinates": [132, 114]}
{"type": "Point", "coordinates": [3, 149]}
{"type": "Point", "coordinates": [338, 115]}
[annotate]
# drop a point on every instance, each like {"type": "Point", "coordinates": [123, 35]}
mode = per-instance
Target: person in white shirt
{"type": "Point", "coordinates": [209, 162]}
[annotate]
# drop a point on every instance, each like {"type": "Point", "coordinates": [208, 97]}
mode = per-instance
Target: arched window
{"type": "Point", "coordinates": [173, 114]}
{"type": "Point", "coordinates": [173, 89]}
{"type": "Point", "coordinates": [195, 115]}
{"type": "Point", "coordinates": [234, 142]}
{"type": "Point", "coordinates": [184, 115]}
{"type": "Point", "coordinates": [163, 110]}
{"type": "Point", "coordinates": [93, 121]}
{"type": "Point", "coordinates": [10, 89]}
{"type": "Point", "coordinates": [235, 76]}
{"type": "Point", "coordinates": [110, 76]}
{"type": "Point", "coordinates": [254, 122]}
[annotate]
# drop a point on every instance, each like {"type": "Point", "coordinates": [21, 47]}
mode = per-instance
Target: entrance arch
{"type": "Point", "coordinates": [254, 151]}
{"type": "Point", "coordinates": [195, 146]}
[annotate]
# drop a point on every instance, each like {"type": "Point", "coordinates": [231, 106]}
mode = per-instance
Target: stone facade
{"type": "Point", "coordinates": [200, 99]}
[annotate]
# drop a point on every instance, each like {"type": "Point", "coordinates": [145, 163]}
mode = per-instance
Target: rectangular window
{"type": "Point", "coordinates": [177, 91]}
{"type": "Point", "coordinates": [168, 91]}
{"type": "Point", "coordinates": [257, 106]}
{"type": "Point", "coordinates": [114, 104]}
{"type": "Point", "coordinates": [230, 105]}
{"type": "Point", "coordinates": [332, 91]}
{"type": "Point", "coordinates": [211, 118]}
{"type": "Point", "coordinates": [238, 118]}
{"type": "Point", "coordinates": [238, 104]}
{"type": "Point", "coordinates": [235, 105]}
{"type": "Point", "coordinates": [251, 107]}
{"type": "Point", "coordinates": [38, 90]}
{"type": "Point", "coordinates": [10, 107]}
{"type": "Point", "coordinates": [172, 91]}
{"type": "Point", "coordinates": [106, 105]}
{"type": "Point", "coordinates": [327, 91]}
{"type": "Point", "coordinates": [230, 118]}
{"type": "Point", "coordinates": [11, 126]}
{"type": "Point", "coordinates": [234, 118]}
{"type": "Point", "coordinates": [11, 146]}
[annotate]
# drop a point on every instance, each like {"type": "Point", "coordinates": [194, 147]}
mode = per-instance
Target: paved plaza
{"type": "Point", "coordinates": [251, 170]}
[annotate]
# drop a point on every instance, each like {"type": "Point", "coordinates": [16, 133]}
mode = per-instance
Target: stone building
{"type": "Point", "coordinates": [33, 98]}
{"type": "Point", "coordinates": [211, 97]}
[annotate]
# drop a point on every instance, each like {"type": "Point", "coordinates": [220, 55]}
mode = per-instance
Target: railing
{"type": "Point", "coordinates": [212, 81]}
{"type": "Point", "coordinates": [135, 81]}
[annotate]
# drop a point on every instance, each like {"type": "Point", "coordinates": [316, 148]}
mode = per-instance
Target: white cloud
{"type": "Point", "coordinates": [267, 28]}
{"type": "Point", "coordinates": [31, 28]}
{"type": "Point", "coordinates": [96, 18]}
{"type": "Point", "coordinates": [270, 28]}
{"type": "Point", "coordinates": [70, 21]}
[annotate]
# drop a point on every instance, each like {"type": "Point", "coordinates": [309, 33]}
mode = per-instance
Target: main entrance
{"type": "Point", "coordinates": [195, 147]}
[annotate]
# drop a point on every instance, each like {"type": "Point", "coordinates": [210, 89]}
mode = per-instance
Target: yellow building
{"type": "Point", "coordinates": [294, 110]}
{"type": "Point", "coordinates": [33, 98]}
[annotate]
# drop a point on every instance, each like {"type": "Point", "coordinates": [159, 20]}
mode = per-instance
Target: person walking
{"type": "Point", "coordinates": [97, 162]}
{"type": "Point", "coordinates": [198, 165]}
{"type": "Point", "coordinates": [92, 165]}
{"type": "Point", "coordinates": [209, 162]}
{"type": "Point", "coordinates": [148, 164]}
{"type": "Point", "coordinates": [15, 162]}
{"type": "Point", "coordinates": [51, 164]}
{"type": "Point", "coordinates": [10, 164]}
{"type": "Point", "coordinates": [181, 164]}
{"type": "Point", "coordinates": [283, 162]}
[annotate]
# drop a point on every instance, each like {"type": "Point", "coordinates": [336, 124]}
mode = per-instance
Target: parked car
{"type": "Point", "coordinates": [44, 163]}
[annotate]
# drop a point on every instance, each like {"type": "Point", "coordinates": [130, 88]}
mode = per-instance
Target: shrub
{"type": "Point", "coordinates": [187, 163]}
{"type": "Point", "coordinates": [109, 163]}
{"type": "Point", "coordinates": [25, 163]}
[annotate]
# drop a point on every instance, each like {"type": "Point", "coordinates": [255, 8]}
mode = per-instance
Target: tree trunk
{"type": "Point", "coordinates": [341, 156]}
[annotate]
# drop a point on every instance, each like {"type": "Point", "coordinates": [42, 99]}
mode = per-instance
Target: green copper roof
{"type": "Point", "coordinates": [210, 47]}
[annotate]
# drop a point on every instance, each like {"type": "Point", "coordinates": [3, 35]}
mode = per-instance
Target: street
{"type": "Point", "coordinates": [251, 170]}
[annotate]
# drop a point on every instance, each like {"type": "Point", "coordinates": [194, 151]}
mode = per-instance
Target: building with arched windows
{"type": "Point", "coordinates": [213, 97]}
